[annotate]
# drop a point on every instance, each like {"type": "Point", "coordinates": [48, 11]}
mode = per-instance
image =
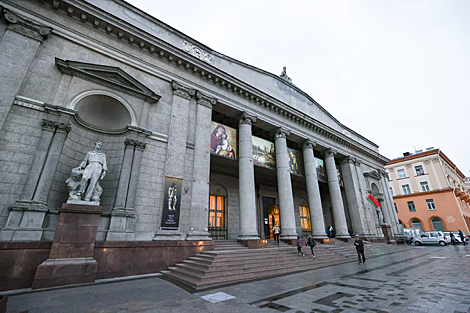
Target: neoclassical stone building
{"type": "Point", "coordinates": [199, 146]}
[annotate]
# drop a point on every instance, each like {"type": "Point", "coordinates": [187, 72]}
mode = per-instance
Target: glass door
{"type": "Point", "coordinates": [217, 217]}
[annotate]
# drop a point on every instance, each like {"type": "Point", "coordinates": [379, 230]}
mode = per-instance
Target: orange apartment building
{"type": "Point", "coordinates": [429, 191]}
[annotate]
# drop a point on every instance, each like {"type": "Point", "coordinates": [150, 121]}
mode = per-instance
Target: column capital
{"type": "Point", "coordinates": [48, 125]}
{"type": "Point", "coordinates": [134, 144]}
{"type": "Point", "coordinates": [349, 160]}
{"type": "Point", "coordinates": [246, 118]}
{"type": "Point", "coordinates": [63, 128]}
{"type": "Point", "coordinates": [281, 133]}
{"type": "Point", "coordinates": [26, 27]}
{"type": "Point", "coordinates": [182, 91]}
{"type": "Point", "coordinates": [358, 163]}
{"type": "Point", "coordinates": [308, 144]}
{"type": "Point", "coordinates": [204, 100]}
{"type": "Point", "coordinates": [331, 152]}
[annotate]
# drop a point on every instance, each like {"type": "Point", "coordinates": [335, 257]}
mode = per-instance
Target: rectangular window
{"type": "Point", "coordinates": [424, 185]}
{"type": "Point", "coordinates": [406, 189]}
{"type": "Point", "coordinates": [401, 174]}
{"type": "Point", "coordinates": [391, 191]}
{"type": "Point", "coordinates": [419, 170]}
{"type": "Point", "coordinates": [431, 204]}
{"type": "Point", "coordinates": [305, 218]}
{"type": "Point", "coordinates": [411, 206]}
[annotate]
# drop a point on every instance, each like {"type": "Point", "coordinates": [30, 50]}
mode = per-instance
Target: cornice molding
{"type": "Point", "coordinates": [204, 100]}
{"type": "Point", "coordinates": [126, 33]}
{"type": "Point", "coordinates": [373, 174]}
{"type": "Point", "coordinates": [182, 91]}
{"type": "Point", "coordinates": [24, 26]}
{"type": "Point", "coordinates": [109, 76]}
{"type": "Point", "coordinates": [134, 144]}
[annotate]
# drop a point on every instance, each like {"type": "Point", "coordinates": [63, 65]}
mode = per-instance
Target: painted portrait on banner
{"type": "Point", "coordinates": [296, 164]}
{"type": "Point", "coordinates": [171, 203]}
{"type": "Point", "coordinates": [321, 170]}
{"type": "Point", "coordinates": [340, 175]}
{"type": "Point", "coordinates": [223, 140]}
{"type": "Point", "coordinates": [263, 153]}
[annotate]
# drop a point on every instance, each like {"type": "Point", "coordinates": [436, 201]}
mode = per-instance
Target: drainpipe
{"type": "Point", "coordinates": [453, 190]}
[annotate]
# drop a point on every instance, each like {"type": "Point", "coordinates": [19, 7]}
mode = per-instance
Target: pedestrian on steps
{"type": "Point", "coordinates": [276, 233]}
{"type": "Point", "coordinates": [360, 249]}
{"type": "Point", "coordinates": [299, 246]}
{"type": "Point", "coordinates": [311, 243]}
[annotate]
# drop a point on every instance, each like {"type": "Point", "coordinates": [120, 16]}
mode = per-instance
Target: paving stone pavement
{"type": "Point", "coordinates": [423, 279]}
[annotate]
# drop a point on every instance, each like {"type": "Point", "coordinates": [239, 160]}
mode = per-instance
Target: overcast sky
{"type": "Point", "coordinates": [396, 72]}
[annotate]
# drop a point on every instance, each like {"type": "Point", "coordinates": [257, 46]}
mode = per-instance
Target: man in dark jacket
{"type": "Point", "coordinates": [311, 243]}
{"type": "Point", "coordinates": [360, 249]}
{"type": "Point", "coordinates": [462, 237]}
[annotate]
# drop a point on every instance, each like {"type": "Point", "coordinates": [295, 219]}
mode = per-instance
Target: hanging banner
{"type": "Point", "coordinates": [263, 153]}
{"type": "Point", "coordinates": [296, 163]}
{"type": "Point", "coordinates": [223, 140]}
{"type": "Point", "coordinates": [321, 170]}
{"type": "Point", "coordinates": [171, 203]}
{"type": "Point", "coordinates": [340, 175]}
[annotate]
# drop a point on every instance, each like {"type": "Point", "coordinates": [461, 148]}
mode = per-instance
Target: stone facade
{"type": "Point", "coordinates": [103, 70]}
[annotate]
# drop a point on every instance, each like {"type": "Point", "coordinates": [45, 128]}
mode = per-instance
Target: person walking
{"type": "Point", "coordinates": [452, 238]}
{"type": "Point", "coordinates": [331, 230]}
{"type": "Point", "coordinates": [311, 243]}
{"type": "Point", "coordinates": [360, 249]}
{"type": "Point", "coordinates": [299, 246]}
{"type": "Point", "coordinates": [462, 237]}
{"type": "Point", "coordinates": [276, 233]}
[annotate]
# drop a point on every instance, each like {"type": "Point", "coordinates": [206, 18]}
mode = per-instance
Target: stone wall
{"type": "Point", "coordinates": [19, 260]}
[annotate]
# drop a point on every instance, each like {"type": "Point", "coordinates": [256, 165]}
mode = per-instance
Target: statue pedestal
{"type": "Point", "coordinates": [387, 231]}
{"type": "Point", "coordinates": [71, 258]}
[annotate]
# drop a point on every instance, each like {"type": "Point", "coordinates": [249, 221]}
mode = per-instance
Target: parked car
{"type": "Point", "coordinates": [456, 235]}
{"type": "Point", "coordinates": [430, 238]}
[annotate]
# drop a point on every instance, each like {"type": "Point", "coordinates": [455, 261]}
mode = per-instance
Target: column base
{"type": "Point", "coordinates": [248, 237]}
{"type": "Point", "coordinates": [198, 235]}
{"type": "Point", "coordinates": [68, 271]}
{"type": "Point", "coordinates": [320, 236]}
{"type": "Point", "coordinates": [254, 244]}
{"type": "Point", "coordinates": [289, 237]}
{"type": "Point", "coordinates": [25, 221]}
{"type": "Point", "coordinates": [164, 234]}
{"type": "Point", "coordinates": [343, 236]}
{"type": "Point", "coordinates": [121, 227]}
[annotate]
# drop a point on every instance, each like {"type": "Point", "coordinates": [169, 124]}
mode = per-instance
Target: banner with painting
{"type": "Point", "coordinates": [263, 153]}
{"type": "Point", "coordinates": [296, 161]}
{"type": "Point", "coordinates": [171, 203]}
{"type": "Point", "coordinates": [223, 140]}
{"type": "Point", "coordinates": [321, 170]}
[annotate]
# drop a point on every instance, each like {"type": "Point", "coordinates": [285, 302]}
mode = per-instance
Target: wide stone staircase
{"type": "Point", "coordinates": [232, 263]}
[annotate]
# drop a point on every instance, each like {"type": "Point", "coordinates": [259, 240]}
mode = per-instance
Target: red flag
{"type": "Point", "coordinates": [373, 201]}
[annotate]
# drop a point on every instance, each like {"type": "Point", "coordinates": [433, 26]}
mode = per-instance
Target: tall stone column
{"type": "Point", "coordinates": [353, 194]}
{"type": "Point", "coordinates": [284, 186]}
{"type": "Point", "coordinates": [176, 148]}
{"type": "Point", "coordinates": [388, 210]}
{"type": "Point", "coordinates": [26, 216]}
{"type": "Point", "coordinates": [199, 214]}
{"type": "Point", "coordinates": [341, 226]}
{"type": "Point", "coordinates": [246, 180]}
{"type": "Point", "coordinates": [122, 222]}
{"type": "Point", "coordinates": [22, 40]}
{"type": "Point", "coordinates": [313, 191]}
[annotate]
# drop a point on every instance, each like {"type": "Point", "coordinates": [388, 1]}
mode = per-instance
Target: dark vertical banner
{"type": "Point", "coordinates": [171, 203]}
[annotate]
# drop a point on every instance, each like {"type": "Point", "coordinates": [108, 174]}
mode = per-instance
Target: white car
{"type": "Point", "coordinates": [456, 235]}
{"type": "Point", "coordinates": [430, 238]}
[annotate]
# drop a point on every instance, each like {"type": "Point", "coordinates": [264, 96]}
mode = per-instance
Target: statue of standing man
{"type": "Point", "coordinates": [95, 169]}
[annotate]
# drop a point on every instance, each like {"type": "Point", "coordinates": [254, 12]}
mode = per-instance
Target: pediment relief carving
{"type": "Point", "coordinates": [109, 76]}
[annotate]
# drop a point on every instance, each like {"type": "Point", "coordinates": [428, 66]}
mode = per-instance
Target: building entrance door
{"type": "Point", "coordinates": [273, 211]}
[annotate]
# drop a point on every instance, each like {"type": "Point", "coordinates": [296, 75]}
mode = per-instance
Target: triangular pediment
{"type": "Point", "coordinates": [109, 76]}
{"type": "Point", "coordinates": [373, 174]}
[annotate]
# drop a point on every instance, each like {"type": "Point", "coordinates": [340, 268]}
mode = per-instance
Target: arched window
{"type": "Point", "coordinates": [305, 219]}
{"type": "Point", "coordinates": [417, 224]}
{"type": "Point", "coordinates": [217, 212]}
{"type": "Point", "coordinates": [437, 224]}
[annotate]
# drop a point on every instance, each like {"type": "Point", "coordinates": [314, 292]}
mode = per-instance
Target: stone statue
{"type": "Point", "coordinates": [83, 183]}
{"type": "Point", "coordinates": [380, 215]}
{"type": "Point", "coordinates": [284, 75]}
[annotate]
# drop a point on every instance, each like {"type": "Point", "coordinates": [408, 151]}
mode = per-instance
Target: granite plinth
{"type": "Point", "coordinates": [71, 258]}
{"type": "Point", "coordinates": [326, 241]}
{"type": "Point", "coordinates": [387, 231]}
{"type": "Point", "coordinates": [254, 244]}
